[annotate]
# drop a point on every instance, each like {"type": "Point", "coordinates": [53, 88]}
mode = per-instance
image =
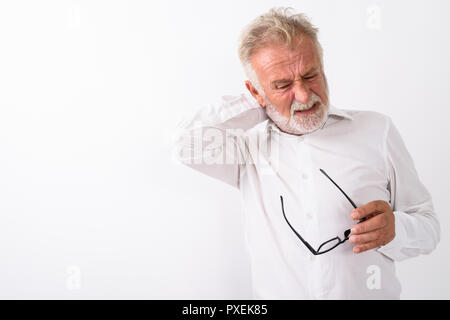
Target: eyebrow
{"type": "Point", "coordinates": [282, 81]}
{"type": "Point", "coordinates": [312, 70]}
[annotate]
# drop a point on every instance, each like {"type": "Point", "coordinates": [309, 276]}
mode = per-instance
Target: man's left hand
{"type": "Point", "coordinates": [377, 230]}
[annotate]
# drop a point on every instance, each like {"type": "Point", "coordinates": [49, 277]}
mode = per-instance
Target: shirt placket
{"type": "Point", "coordinates": [309, 209]}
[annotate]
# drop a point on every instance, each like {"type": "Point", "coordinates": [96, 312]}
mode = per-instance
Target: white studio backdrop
{"type": "Point", "coordinates": [92, 204]}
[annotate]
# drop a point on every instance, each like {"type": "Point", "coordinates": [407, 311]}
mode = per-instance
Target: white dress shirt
{"type": "Point", "coordinates": [361, 151]}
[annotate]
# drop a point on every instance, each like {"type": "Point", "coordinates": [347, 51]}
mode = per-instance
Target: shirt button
{"type": "Point", "coordinates": [305, 176]}
{"type": "Point", "coordinates": [308, 216]}
{"type": "Point", "coordinates": [301, 138]}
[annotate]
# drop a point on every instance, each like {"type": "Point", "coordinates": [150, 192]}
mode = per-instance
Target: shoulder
{"type": "Point", "coordinates": [243, 98]}
{"type": "Point", "coordinates": [362, 118]}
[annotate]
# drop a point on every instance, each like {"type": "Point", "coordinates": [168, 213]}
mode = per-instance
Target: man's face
{"type": "Point", "coordinates": [292, 79]}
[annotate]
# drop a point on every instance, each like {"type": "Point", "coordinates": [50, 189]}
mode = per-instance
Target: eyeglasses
{"type": "Point", "coordinates": [332, 243]}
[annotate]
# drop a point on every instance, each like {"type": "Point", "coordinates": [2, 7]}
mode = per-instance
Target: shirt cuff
{"type": "Point", "coordinates": [393, 249]}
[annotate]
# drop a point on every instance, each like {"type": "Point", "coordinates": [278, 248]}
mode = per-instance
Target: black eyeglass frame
{"type": "Point", "coordinates": [346, 232]}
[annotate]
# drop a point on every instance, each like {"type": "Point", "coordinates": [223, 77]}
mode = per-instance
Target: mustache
{"type": "Point", "coordinates": [298, 106]}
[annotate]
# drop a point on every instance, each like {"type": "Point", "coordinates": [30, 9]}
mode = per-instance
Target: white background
{"type": "Point", "coordinates": [92, 204]}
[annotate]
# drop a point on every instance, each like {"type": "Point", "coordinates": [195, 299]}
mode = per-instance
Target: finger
{"type": "Point", "coordinates": [370, 208]}
{"type": "Point", "coordinates": [367, 246]}
{"type": "Point", "coordinates": [366, 237]}
{"type": "Point", "coordinates": [371, 224]}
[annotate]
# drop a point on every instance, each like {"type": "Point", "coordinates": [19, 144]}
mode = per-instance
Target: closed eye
{"type": "Point", "coordinates": [310, 77]}
{"type": "Point", "coordinates": [281, 87]}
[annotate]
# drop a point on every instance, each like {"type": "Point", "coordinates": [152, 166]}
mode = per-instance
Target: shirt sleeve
{"type": "Point", "coordinates": [212, 139]}
{"type": "Point", "coordinates": [417, 229]}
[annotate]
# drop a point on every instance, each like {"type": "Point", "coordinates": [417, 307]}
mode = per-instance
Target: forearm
{"type": "Point", "coordinates": [415, 234]}
{"type": "Point", "coordinates": [416, 224]}
{"type": "Point", "coordinates": [241, 112]}
{"type": "Point", "coordinates": [208, 141]}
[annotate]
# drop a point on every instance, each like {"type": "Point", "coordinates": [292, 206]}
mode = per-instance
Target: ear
{"type": "Point", "coordinates": [258, 96]}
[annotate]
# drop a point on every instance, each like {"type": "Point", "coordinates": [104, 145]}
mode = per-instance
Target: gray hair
{"type": "Point", "coordinates": [278, 25]}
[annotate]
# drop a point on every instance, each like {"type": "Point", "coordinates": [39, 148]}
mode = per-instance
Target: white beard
{"type": "Point", "coordinates": [299, 124]}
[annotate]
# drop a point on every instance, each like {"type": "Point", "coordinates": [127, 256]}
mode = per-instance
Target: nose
{"type": "Point", "coordinates": [302, 92]}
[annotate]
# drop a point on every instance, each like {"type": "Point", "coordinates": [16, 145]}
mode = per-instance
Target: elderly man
{"type": "Point", "coordinates": [331, 196]}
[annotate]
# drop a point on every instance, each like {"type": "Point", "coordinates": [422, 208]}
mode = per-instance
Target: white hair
{"type": "Point", "coordinates": [279, 26]}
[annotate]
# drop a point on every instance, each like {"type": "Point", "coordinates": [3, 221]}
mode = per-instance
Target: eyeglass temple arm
{"type": "Point", "coordinates": [298, 235]}
{"type": "Point", "coordinates": [348, 198]}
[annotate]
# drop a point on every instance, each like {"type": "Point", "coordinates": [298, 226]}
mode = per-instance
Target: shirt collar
{"type": "Point", "coordinates": [340, 113]}
{"type": "Point", "coordinates": [333, 111]}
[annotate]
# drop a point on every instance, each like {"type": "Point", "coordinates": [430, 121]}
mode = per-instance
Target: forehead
{"type": "Point", "coordinates": [278, 60]}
